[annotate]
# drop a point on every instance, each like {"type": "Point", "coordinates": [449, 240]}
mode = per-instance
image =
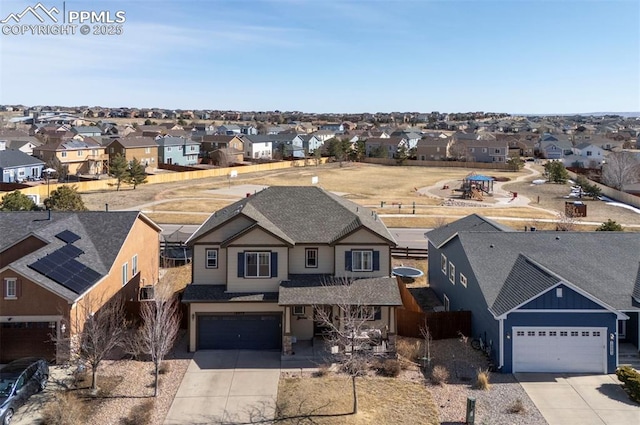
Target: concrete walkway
{"type": "Point", "coordinates": [227, 387]}
{"type": "Point", "coordinates": [580, 399]}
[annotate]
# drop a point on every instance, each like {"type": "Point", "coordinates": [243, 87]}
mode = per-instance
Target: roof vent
{"type": "Point", "coordinates": [557, 238]}
{"type": "Point", "coordinates": [491, 246]}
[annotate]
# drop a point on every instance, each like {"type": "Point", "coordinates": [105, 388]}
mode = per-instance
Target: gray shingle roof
{"type": "Point", "coordinates": [11, 158]}
{"type": "Point", "coordinates": [300, 214]}
{"type": "Point", "coordinates": [320, 289]}
{"type": "Point", "coordinates": [473, 222]}
{"type": "Point", "coordinates": [101, 237]}
{"type": "Point", "coordinates": [213, 293]}
{"type": "Point", "coordinates": [604, 264]}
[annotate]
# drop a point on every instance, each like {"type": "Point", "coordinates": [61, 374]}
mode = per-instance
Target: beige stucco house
{"type": "Point", "coordinates": [262, 267]}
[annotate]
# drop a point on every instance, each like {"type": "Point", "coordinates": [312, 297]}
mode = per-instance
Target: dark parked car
{"type": "Point", "coordinates": [19, 380]}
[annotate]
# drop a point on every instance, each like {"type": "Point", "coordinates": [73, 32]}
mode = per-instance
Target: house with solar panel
{"type": "Point", "coordinates": [263, 271]}
{"type": "Point", "coordinates": [86, 156]}
{"type": "Point", "coordinates": [56, 265]}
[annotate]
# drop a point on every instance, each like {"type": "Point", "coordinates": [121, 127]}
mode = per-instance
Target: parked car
{"type": "Point", "coordinates": [19, 380]}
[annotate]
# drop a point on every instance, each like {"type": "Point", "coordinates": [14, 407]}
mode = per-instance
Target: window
{"type": "Point", "coordinates": [125, 272]}
{"type": "Point", "coordinates": [134, 265]}
{"type": "Point", "coordinates": [168, 148]}
{"type": "Point", "coordinates": [446, 302]}
{"type": "Point", "coordinates": [559, 292]}
{"type": "Point", "coordinates": [542, 333]}
{"type": "Point", "coordinates": [497, 151]}
{"type": "Point", "coordinates": [484, 150]}
{"type": "Point", "coordinates": [452, 273]}
{"type": "Point", "coordinates": [531, 333]}
{"type": "Point", "coordinates": [212, 258]}
{"type": "Point", "coordinates": [111, 150]}
{"type": "Point", "coordinates": [147, 150]}
{"type": "Point", "coordinates": [553, 333]}
{"type": "Point", "coordinates": [589, 153]}
{"type": "Point", "coordinates": [367, 312]}
{"type": "Point", "coordinates": [11, 288]}
{"type": "Point", "coordinates": [298, 310]}
{"type": "Point", "coordinates": [311, 256]}
{"type": "Point", "coordinates": [463, 280]}
{"type": "Point", "coordinates": [63, 154]}
{"type": "Point", "coordinates": [94, 152]}
{"type": "Point", "coordinates": [80, 152]}
{"type": "Point", "coordinates": [585, 333]}
{"type": "Point", "coordinates": [472, 149]}
{"type": "Point", "coordinates": [443, 263]}
{"type": "Point", "coordinates": [595, 333]}
{"type": "Point", "coordinates": [563, 333]}
{"type": "Point", "coordinates": [520, 333]}
{"type": "Point", "coordinates": [362, 261]}
{"type": "Point", "coordinates": [257, 264]}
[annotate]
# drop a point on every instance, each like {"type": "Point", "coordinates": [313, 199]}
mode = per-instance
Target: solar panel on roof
{"type": "Point", "coordinates": [62, 267]}
{"type": "Point", "coordinates": [71, 251]}
{"type": "Point", "coordinates": [67, 236]}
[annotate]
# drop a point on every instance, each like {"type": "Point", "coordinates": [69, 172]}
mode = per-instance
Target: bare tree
{"type": "Point", "coordinates": [348, 330]}
{"type": "Point", "coordinates": [565, 222]}
{"type": "Point", "coordinates": [620, 169]}
{"type": "Point", "coordinates": [101, 332]}
{"type": "Point", "coordinates": [426, 335]}
{"type": "Point", "coordinates": [160, 327]}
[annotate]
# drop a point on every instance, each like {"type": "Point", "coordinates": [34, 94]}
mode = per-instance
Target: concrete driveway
{"type": "Point", "coordinates": [580, 399]}
{"type": "Point", "coordinates": [227, 387]}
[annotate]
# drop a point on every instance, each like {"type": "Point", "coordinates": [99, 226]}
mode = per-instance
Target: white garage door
{"type": "Point", "coordinates": [554, 349]}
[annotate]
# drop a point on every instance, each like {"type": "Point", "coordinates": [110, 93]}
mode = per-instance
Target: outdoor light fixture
{"type": "Point", "coordinates": [508, 335]}
{"type": "Point", "coordinates": [611, 336]}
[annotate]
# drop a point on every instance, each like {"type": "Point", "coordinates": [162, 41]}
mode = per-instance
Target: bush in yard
{"type": "Point", "coordinates": [140, 415]}
{"type": "Point", "coordinates": [482, 379]}
{"type": "Point", "coordinates": [409, 349]}
{"type": "Point", "coordinates": [517, 407]}
{"type": "Point", "coordinates": [631, 380]}
{"type": "Point", "coordinates": [439, 375]}
{"type": "Point", "coordinates": [64, 408]}
{"type": "Point", "coordinates": [389, 368]}
{"type": "Point", "coordinates": [164, 368]}
{"type": "Point", "coordinates": [323, 370]}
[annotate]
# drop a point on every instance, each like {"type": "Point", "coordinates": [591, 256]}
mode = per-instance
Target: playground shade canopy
{"type": "Point", "coordinates": [479, 178]}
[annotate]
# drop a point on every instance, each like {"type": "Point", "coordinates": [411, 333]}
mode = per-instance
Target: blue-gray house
{"type": "Point", "coordinates": [542, 301]}
{"type": "Point", "coordinates": [17, 166]}
{"type": "Point", "coordinates": [177, 151]}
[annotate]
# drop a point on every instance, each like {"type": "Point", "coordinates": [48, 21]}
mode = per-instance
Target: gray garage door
{"type": "Point", "coordinates": [247, 332]}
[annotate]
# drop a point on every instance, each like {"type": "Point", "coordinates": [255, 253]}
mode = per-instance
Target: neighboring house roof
{"type": "Point", "coordinates": [300, 214]}
{"type": "Point", "coordinates": [100, 243]}
{"type": "Point", "coordinates": [473, 222]}
{"type": "Point", "coordinates": [174, 141]}
{"type": "Point", "coordinates": [10, 158]}
{"type": "Point", "coordinates": [136, 142]}
{"type": "Point", "coordinates": [507, 264]}
{"type": "Point", "coordinates": [86, 129]}
{"type": "Point", "coordinates": [320, 289]}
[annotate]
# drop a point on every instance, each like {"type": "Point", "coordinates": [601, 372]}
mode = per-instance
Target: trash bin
{"type": "Point", "coordinates": [471, 411]}
{"type": "Point", "coordinates": [515, 194]}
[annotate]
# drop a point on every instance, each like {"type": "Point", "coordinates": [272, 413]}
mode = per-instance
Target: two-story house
{"type": "Point", "coordinates": [486, 150]}
{"type": "Point", "coordinates": [144, 149]}
{"type": "Point", "coordinates": [258, 146]}
{"type": "Point", "coordinates": [433, 148]}
{"type": "Point", "coordinates": [381, 147]}
{"type": "Point", "coordinates": [558, 302]}
{"type": "Point", "coordinates": [177, 150]}
{"type": "Point", "coordinates": [56, 266]}
{"type": "Point", "coordinates": [85, 156]}
{"type": "Point", "coordinates": [262, 269]}
{"type": "Point", "coordinates": [222, 149]}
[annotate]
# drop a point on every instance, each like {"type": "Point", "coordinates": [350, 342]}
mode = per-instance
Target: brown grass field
{"type": "Point", "coordinates": [366, 184]}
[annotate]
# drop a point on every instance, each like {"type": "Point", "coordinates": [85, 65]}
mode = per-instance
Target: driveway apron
{"type": "Point", "coordinates": [227, 387]}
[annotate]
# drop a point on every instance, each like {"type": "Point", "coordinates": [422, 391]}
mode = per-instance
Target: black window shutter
{"type": "Point", "coordinates": [376, 260]}
{"type": "Point", "coordinates": [18, 288]}
{"type": "Point", "coordinates": [241, 264]}
{"type": "Point", "coordinates": [274, 264]}
{"type": "Point", "coordinates": [347, 260]}
{"type": "Point", "coordinates": [4, 289]}
{"type": "Point", "coordinates": [377, 313]}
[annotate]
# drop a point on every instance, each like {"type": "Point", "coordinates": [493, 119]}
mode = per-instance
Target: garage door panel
{"type": "Point", "coordinates": [574, 350]}
{"type": "Point", "coordinates": [259, 332]}
{"type": "Point", "coordinates": [26, 339]}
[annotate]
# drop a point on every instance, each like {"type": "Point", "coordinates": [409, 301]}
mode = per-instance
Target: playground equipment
{"type": "Point", "coordinates": [475, 186]}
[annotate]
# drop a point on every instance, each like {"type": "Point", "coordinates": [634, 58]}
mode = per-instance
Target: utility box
{"type": "Point", "coordinates": [575, 209]}
{"type": "Point", "coordinates": [471, 411]}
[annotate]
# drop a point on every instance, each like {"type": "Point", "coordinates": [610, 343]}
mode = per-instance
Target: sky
{"type": "Point", "coordinates": [341, 56]}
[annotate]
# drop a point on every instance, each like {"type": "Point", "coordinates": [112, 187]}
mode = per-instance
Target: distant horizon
{"type": "Point", "coordinates": [331, 55]}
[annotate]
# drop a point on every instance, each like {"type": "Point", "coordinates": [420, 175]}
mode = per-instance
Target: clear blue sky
{"type": "Point", "coordinates": [514, 56]}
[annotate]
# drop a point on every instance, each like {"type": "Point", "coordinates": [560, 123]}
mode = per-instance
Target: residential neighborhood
{"type": "Point", "coordinates": [291, 275]}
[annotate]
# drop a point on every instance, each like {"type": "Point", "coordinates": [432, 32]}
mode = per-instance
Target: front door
{"type": "Point", "coordinates": [321, 314]}
{"type": "Point", "coordinates": [622, 329]}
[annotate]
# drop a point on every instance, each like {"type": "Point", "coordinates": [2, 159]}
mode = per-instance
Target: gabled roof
{"type": "Point", "coordinates": [470, 223]}
{"type": "Point", "coordinates": [136, 142]}
{"type": "Point", "coordinates": [320, 289]}
{"type": "Point", "coordinates": [99, 242]}
{"type": "Point", "coordinates": [506, 264]}
{"type": "Point", "coordinates": [300, 214]}
{"type": "Point", "coordinates": [11, 158]}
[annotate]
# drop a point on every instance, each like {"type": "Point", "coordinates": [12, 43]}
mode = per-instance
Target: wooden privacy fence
{"type": "Point", "coordinates": [443, 164]}
{"type": "Point", "coordinates": [442, 325]}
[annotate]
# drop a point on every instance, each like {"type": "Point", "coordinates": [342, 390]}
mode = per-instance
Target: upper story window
{"type": "Point", "coordinates": [63, 154]}
{"type": "Point", "coordinates": [212, 258]}
{"type": "Point", "coordinates": [168, 148]}
{"type": "Point", "coordinates": [10, 288]}
{"type": "Point", "coordinates": [443, 263]}
{"type": "Point", "coordinates": [452, 273]}
{"type": "Point", "coordinates": [94, 152]}
{"type": "Point", "coordinates": [257, 264]}
{"type": "Point", "coordinates": [80, 152]}
{"type": "Point", "coordinates": [311, 258]}
{"type": "Point", "coordinates": [112, 150]}
{"type": "Point", "coordinates": [147, 150]}
{"type": "Point", "coordinates": [463, 280]}
{"type": "Point", "coordinates": [134, 265]}
{"type": "Point", "coordinates": [125, 273]}
{"type": "Point", "coordinates": [497, 151]}
{"type": "Point", "coordinates": [362, 261]}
